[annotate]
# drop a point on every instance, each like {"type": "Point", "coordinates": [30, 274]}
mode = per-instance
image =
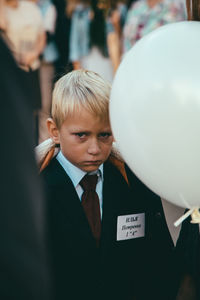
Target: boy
{"type": "Point", "coordinates": [125, 251]}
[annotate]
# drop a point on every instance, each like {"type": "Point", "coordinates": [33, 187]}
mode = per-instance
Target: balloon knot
{"type": "Point", "coordinates": [195, 216]}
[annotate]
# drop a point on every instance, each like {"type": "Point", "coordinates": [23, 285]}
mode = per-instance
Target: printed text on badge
{"type": "Point", "coordinates": [130, 226]}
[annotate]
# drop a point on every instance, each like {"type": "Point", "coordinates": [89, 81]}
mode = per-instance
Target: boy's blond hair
{"type": "Point", "coordinates": [80, 89]}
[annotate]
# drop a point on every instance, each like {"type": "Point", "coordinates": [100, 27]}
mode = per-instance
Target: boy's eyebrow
{"type": "Point", "coordinates": [81, 131]}
{"type": "Point", "coordinates": [89, 131]}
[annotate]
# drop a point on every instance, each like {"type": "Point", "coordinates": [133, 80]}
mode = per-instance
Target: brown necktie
{"type": "Point", "coordinates": [90, 203]}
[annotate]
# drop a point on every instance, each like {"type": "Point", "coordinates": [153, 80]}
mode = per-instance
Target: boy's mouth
{"type": "Point", "coordinates": [94, 162]}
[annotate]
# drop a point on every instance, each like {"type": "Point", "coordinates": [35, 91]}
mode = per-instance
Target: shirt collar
{"type": "Point", "coordinates": [75, 173]}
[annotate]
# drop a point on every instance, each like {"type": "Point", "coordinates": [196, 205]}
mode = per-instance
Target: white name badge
{"type": "Point", "coordinates": [130, 226]}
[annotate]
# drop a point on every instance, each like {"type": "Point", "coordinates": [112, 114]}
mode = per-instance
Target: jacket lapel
{"type": "Point", "coordinates": [69, 207]}
{"type": "Point", "coordinates": [113, 188]}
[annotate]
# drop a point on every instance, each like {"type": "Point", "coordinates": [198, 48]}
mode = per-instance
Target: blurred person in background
{"type": "Point", "coordinates": [48, 60]}
{"type": "Point", "coordinates": [24, 262]}
{"type": "Point", "coordinates": [81, 15]}
{"type": "Point", "coordinates": [104, 54]}
{"type": "Point", "coordinates": [25, 31]}
{"type": "Point", "coordinates": [121, 7]}
{"type": "Point", "coordinates": [146, 15]}
{"type": "Point", "coordinates": [117, 16]}
{"type": "Point", "coordinates": [94, 44]}
{"type": "Point", "coordinates": [62, 33]}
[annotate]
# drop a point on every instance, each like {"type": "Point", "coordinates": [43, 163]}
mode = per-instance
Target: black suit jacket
{"type": "Point", "coordinates": [188, 256]}
{"type": "Point", "coordinates": [127, 269]}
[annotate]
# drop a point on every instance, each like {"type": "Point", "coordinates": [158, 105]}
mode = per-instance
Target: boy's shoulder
{"type": "Point", "coordinates": [151, 200]}
{"type": "Point", "coordinates": [53, 174]}
{"type": "Point", "coordinates": [119, 168]}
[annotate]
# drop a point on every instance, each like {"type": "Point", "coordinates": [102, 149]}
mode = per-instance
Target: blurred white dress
{"type": "Point", "coordinates": [98, 63]}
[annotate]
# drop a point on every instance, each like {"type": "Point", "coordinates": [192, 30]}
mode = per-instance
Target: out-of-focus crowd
{"type": "Point", "coordinates": [51, 37]}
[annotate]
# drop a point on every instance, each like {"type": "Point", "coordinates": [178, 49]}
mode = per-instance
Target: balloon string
{"type": "Point", "coordinates": [195, 215]}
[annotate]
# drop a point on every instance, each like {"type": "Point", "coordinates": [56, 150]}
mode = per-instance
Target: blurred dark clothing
{"type": "Point", "coordinates": [24, 269]}
{"type": "Point", "coordinates": [188, 254]}
{"type": "Point", "coordinates": [62, 33]}
{"type": "Point", "coordinates": [34, 84]}
{"type": "Point", "coordinates": [130, 2]}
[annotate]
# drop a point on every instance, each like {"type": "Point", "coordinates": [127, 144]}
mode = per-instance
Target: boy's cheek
{"type": "Point", "coordinates": [109, 149]}
{"type": "Point", "coordinates": [110, 141]}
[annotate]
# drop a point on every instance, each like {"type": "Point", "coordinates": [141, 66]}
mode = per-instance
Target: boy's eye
{"type": "Point", "coordinates": [105, 135]}
{"type": "Point", "coordinates": [80, 134]}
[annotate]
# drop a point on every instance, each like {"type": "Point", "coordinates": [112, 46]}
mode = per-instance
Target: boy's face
{"type": "Point", "coordinates": [85, 140]}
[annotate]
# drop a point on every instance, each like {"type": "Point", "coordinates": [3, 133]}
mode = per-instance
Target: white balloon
{"type": "Point", "coordinates": [155, 111]}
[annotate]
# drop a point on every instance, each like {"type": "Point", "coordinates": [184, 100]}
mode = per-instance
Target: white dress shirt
{"type": "Point", "coordinates": [77, 174]}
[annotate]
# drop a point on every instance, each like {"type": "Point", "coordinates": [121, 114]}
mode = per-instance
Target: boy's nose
{"type": "Point", "coordinates": [94, 147]}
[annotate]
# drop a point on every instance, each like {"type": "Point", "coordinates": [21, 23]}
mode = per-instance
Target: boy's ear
{"type": "Point", "coordinates": [53, 130]}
